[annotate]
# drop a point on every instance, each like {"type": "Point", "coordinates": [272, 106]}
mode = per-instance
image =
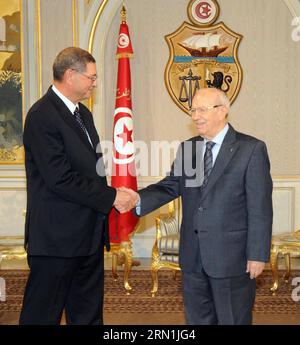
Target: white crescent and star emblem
{"type": "Point", "coordinates": [203, 10]}
{"type": "Point", "coordinates": [123, 139]}
{"type": "Point", "coordinates": [123, 41]}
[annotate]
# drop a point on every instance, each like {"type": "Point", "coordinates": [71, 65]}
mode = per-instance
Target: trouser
{"type": "Point", "coordinates": [56, 283]}
{"type": "Point", "coordinates": [224, 301]}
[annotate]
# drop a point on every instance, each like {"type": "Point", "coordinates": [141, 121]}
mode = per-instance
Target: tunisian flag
{"type": "Point", "coordinates": [123, 165]}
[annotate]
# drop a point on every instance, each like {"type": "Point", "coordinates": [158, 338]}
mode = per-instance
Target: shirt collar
{"type": "Point", "coordinates": [69, 104]}
{"type": "Point", "coordinates": [218, 139]}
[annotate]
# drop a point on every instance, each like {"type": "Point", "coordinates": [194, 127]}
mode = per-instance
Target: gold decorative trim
{"type": "Point", "coordinates": [11, 238]}
{"type": "Point", "coordinates": [22, 61]}
{"type": "Point", "coordinates": [91, 41]}
{"type": "Point", "coordinates": [74, 22]}
{"type": "Point", "coordinates": [94, 25]}
{"type": "Point", "coordinates": [22, 71]}
{"type": "Point", "coordinates": [286, 177]}
{"type": "Point", "coordinates": [13, 189]}
{"type": "Point", "coordinates": [10, 251]}
{"type": "Point", "coordinates": [14, 177]}
{"type": "Point", "coordinates": [22, 160]}
{"type": "Point", "coordinates": [39, 46]}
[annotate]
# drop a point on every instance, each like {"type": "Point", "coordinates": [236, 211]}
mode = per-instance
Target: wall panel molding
{"type": "Point", "coordinates": [293, 6]}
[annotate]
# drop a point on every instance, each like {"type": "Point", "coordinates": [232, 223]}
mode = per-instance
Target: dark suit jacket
{"type": "Point", "coordinates": [230, 220]}
{"type": "Point", "coordinates": [67, 202]}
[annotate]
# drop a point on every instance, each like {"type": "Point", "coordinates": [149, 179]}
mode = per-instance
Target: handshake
{"type": "Point", "coordinates": [126, 199]}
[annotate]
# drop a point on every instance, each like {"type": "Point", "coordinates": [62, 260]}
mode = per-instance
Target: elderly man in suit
{"type": "Point", "coordinates": [227, 214]}
{"type": "Point", "coordinates": [67, 200]}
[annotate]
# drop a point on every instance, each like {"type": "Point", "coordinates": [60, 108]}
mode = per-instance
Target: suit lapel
{"type": "Point", "coordinates": [66, 115]}
{"type": "Point", "coordinates": [228, 149]}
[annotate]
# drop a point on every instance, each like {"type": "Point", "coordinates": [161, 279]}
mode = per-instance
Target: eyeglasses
{"type": "Point", "coordinates": [92, 78]}
{"type": "Point", "coordinates": [203, 110]}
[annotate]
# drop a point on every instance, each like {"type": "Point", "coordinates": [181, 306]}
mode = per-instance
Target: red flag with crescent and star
{"type": "Point", "coordinates": [123, 165]}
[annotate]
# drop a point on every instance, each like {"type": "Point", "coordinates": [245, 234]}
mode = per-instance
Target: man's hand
{"type": "Point", "coordinates": [255, 268]}
{"type": "Point", "coordinates": [126, 199]}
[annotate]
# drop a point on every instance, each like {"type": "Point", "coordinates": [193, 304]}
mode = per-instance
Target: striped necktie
{"type": "Point", "coordinates": [80, 122]}
{"type": "Point", "coordinates": [208, 162]}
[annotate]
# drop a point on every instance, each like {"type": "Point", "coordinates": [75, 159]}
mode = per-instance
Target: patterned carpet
{"type": "Point", "coordinates": [168, 299]}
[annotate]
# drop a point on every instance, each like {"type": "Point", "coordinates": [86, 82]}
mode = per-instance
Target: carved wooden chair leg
{"type": "Point", "coordinates": [274, 268]}
{"type": "Point", "coordinates": [127, 269]}
{"type": "Point", "coordinates": [154, 275]}
{"type": "Point", "coordinates": [114, 266]}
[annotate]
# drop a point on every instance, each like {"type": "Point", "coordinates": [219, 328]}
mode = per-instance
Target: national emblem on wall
{"type": "Point", "coordinates": [202, 55]}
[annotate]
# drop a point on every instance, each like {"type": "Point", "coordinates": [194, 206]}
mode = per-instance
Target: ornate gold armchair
{"type": "Point", "coordinates": [285, 244]}
{"type": "Point", "coordinates": [165, 251]}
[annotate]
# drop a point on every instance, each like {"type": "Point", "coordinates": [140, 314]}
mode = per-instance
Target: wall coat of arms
{"type": "Point", "coordinates": [202, 55]}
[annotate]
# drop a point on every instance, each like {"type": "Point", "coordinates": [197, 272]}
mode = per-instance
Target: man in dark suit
{"type": "Point", "coordinates": [67, 200]}
{"type": "Point", "coordinates": [227, 214]}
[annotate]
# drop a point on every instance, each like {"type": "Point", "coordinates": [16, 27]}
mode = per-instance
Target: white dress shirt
{"type": "Point", "coordinates": [70, 105]}
{"type": "Point", "coordinates": [218, 140]}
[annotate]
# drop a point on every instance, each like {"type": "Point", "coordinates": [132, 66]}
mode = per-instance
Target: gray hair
{"type": "Point", "coordinates": [71, 58]}
{"type": "Point", "coordinates": [223, 99]}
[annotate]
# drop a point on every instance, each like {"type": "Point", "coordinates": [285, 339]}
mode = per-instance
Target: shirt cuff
{"type": "Point", "coordinates": [138, 207]}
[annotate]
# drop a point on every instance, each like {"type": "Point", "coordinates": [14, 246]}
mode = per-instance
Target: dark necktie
{"type": "Point", "coordinates": [208, 162]}
{"type": "Point", "coordinates": [80, 121]}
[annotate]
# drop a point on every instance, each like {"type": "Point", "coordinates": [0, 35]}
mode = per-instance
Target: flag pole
{"type": "Point", "coordinates": [122, 226]}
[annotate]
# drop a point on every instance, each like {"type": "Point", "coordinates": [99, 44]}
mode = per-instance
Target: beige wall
{"type": "Point", "coordinates": [56, 20]}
